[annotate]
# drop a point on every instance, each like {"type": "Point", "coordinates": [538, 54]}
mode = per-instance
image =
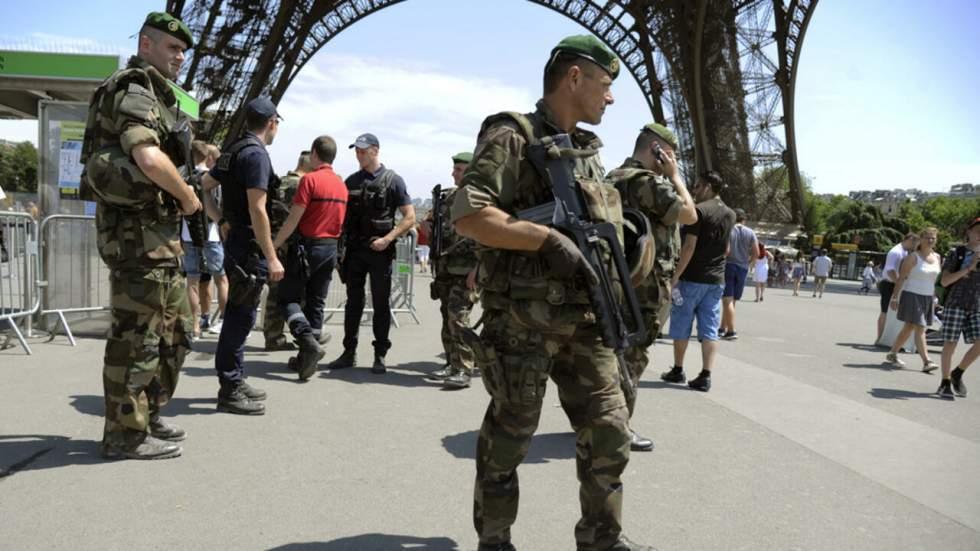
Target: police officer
{"type": "Point", "coordinates": [273, 322]}
{"type": "Point", "coordinates": [538, 321]}
{"type": "Point", "coordinates": [454, 285]}
{"type": "Point", "coordinates": [375, 193]}
{"type": "Point", "coordinates": [318, 210]}
{"type": "Point", "coordinates": [129, 155]}
{"type": "Point", "coordinates": [248, 186]}
{"type": "Point", "coordinates": [649, 181]}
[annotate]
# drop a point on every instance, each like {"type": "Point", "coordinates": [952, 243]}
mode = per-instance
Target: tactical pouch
{"type": "Point", "coordinates": [244, 289]}
{"type": "Point", "coordinates": [485, 358]}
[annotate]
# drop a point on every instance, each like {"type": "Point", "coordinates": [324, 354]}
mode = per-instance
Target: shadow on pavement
{"type": "Point", "coordinates": [864, 347]}
{"type": "Point", "coordinates": [210, 345]}
{"type": "Point", "coordinates": [898, 394]}
{"type": "Point", "coordinates": [374, 542]}
{"type": "Point", "coordinates": [95, 405]}
{"type": "Point", "coordinates": [661, 384]}
{"type": "Point", "coordinates": [544, 447]}
{"type": "Point", "coordinates": [28, 452]}
{"type": "Point", "coordinates": [361, 375]}
{"type": "Point", "coordinates": [879, 365]}
{"type": "Point", "coordinates": [273, 371]}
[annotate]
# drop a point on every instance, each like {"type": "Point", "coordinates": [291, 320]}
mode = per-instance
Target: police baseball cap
{"type": "Point", "coordinates": [365, 141]}
{"type": "Point", "coordinates": [263, 107]}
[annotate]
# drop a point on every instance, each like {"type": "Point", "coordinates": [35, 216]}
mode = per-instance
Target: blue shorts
{"type": "Point", "coordinates": [734, 280]}
{"type": "Point", "coordinates": [701, 301]}
{"type": "Point", "coordinates": [214, 259]}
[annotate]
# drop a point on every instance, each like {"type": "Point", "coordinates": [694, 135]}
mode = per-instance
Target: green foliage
{"type": "Point", "coordinates": [949, 214]}
{"type": "Point", "coordinates": [18, 167]}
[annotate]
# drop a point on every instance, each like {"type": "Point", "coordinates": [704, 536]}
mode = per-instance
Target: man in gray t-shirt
{"type": "Point", "coordinates": [743, 250]}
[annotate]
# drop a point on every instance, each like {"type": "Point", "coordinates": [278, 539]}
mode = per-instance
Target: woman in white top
{"type": "Point", "coordinates": [913, 297]}
{"type": "Point", "coordinates": [761, 272]}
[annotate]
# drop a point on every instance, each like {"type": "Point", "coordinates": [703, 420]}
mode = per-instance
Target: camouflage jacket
{"type": "Point", "coordinates": [138, 223]}
{"type": "Point", "coordinates": [655, 197]}
{"type": "Point", "coordinates": [458, 255]}
{"type": "Point", "coordinates": [288, 185]}
{"type": "Point", "coordinates": [501, 176]}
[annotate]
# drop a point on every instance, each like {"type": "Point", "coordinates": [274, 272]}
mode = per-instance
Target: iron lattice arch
{"type": "Point", "coordinates": [720, 72]}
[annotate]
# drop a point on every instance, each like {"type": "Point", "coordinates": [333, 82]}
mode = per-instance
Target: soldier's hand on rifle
{"type": "Point", "coordinates": [189, 204]}
{"type": "Point", "coordinates": [276, 271]}
{"type": "Point", "coordinates": [564, 257]}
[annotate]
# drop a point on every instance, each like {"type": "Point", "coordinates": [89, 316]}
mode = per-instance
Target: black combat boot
{"type": "Point", "coordinates": [378, 367]}
{"type": "Point", "coordinates": [443, 373]}
{"type": "Point", "coordinates": [234, 400]}
{"type": "Point", "coordinates": [639, 443]}
{"type": "Point", "coordinates": [309, 354]}
{"type": "Point", "coordinates": [507, 546]}
{"type": "Point", "coordinates": [165, 431]}
{"type": "Point", "coordinates": [459, 379]}
{"type": "Point", "coordinates": [624, 544]}
{"type": "Point", "coordinates": [149, 448]}
{"type": "Point", "coordinates": [347, 359]}
{"type": "Point", "coordinates": [256, 394]}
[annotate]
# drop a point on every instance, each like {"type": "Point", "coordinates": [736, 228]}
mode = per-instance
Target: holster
{"type": "Point", "coordinates": [245, 284]}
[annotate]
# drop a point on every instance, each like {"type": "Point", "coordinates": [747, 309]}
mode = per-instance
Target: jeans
{"type": "Point", "coordinates": [306, 316]}
{"type": "Point", "coordinates": [229, 358]}
{"type": "Point", "coordinates": [359, 262]}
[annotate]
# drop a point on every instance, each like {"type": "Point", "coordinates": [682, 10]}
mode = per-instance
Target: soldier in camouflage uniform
{"type": "Point", "coordinates": [655, 187]}
{"type": "Point", "coordinates": [130, 154]}
{"type": "Point", "coordinates": [455, 287]}
{"type": "Point", "coordinates": [273, 322]}
{"type": "Point", "coordinates": [539, 323]}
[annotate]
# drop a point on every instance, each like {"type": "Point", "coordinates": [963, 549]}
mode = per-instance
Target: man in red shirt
{"type": "Point", "coordinates": [317, 215]}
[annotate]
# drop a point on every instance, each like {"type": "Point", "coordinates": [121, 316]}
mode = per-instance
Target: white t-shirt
{"type": "Point", "coordinates": [822, 265]}
{"type": "Point", "coordinates": [213, 235]}
{"type": "Point", "coordinates": [894, 262]}
{"type": "Point", "coordinates": [2, 194]}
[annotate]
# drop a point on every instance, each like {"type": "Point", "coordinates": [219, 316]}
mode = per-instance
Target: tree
{"type": "Point", "coordinates": [18, 167]}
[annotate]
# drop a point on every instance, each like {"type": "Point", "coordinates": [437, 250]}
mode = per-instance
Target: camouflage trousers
{"type": "Point", "coordinates": [456, 304]}
{"type": "Point", "coordinates": [273, 320]}
{"type": "Point", "coordinates": [147, 343]}
{"type": "Point", "coordinates": [516, 363]}
{"type": "Point", "coordinates": [653, 293]}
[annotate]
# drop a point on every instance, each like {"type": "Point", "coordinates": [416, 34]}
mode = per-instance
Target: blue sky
{"type": "Point", "coordinates": [886, 97]}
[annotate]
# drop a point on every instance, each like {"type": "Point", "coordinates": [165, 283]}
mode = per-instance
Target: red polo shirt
{"type": "Point", "coordinates": [324, 195]}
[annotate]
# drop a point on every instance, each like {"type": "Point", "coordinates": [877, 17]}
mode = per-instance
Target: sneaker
{"type": "Point", "coordinates": [205, 323]}
{"type": "Point", "coordinates": [929, 366]}
{"type": "Point", "coordinates": [235, 401]}
{"type": "Point", "coordinates": [165, 431]}
{"type": "Point", "coordinates": [347, 359]}
{"type": "Point", "coordinates": [958, 386]}
{"type": "Point", "coordinates": [214, 328]}
{"type": "Point", "coordinates": [457, 380]}
{"type": "Point", "coordinates": [893, 359]}
{"type": "Point", "coordinates": [730, 336]}
{"type": "Point", "coordinates": [675, 375]}
{"type": "Point", "coordinates": [253, 393]}
{"type": "Point", "coordinates": [149, 448]}
{"type": "Point", "coordinates": [378, 368]}
{"type": "Point", "coordinates": [701, 383]}
{"type": "Point", "coordinates": [945, 391]}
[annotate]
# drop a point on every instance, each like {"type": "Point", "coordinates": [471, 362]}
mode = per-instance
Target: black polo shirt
{"type": "Point", "coordinates": [250, 170]}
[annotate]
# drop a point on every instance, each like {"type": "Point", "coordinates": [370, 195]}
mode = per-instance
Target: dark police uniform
{"type": "Point", "coordinates": [373, 200]}
{"type": "Point", "coordinates": [246, 165]}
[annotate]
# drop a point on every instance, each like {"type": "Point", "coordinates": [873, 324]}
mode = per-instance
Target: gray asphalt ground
{"type": "Point", "coordinates": [807, 441]}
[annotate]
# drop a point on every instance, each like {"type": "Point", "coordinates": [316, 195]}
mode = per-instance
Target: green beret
{"type": "Point", "coordinates": [171, 25]}
{"type": "Point", "coordinates": [589, 47]}
{"type": "Point", "coordinates": [464, 157]}
{"type": "Point", "coordinates": [663, 133]}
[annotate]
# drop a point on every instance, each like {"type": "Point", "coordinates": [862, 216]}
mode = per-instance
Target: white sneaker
{"type": "Point", "coordinates": [893, 359]}
{"type": "Point", "coordinates": [215, 328]}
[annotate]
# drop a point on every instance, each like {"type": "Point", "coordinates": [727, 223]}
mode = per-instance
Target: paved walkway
{"type": "Point", "coordinates": [806, 441]}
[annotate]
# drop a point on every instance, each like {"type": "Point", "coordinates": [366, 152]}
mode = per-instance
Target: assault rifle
{"type": "Point", "coordinates": [435, 243]}
{"type": "Point", "coordinates": [197, 223]}
{"type": "Point", "coordinates": [553, 158]}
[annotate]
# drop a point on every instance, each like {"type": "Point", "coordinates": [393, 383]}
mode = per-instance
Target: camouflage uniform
{"type": "Point", "coordinates": [139, 239]}
{"type": "Point", "coordinates": [455, 261]}
{"type": "Point", "coordinates": [656, 198]}
{"type": "Point", "coordinates": [539, 324]}
{"type": "Point", "coordinates": [273, 321]}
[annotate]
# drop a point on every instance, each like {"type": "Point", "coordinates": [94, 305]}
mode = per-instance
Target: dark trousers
{"type": "Point", "coordinates": [229, 358]}
{"type": "Point", "coordinates": [359, 262]}
{"type": "Point", "coordinates": [306, 316]}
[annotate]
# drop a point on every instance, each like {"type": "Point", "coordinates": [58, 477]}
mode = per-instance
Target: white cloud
{"type": "Point", "coordinates": [421, 115]}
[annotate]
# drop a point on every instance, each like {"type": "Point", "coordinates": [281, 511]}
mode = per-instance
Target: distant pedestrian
{"type": "Point", "coordinates": [868, 278]}
{"type": "Point", "coordinates": [821, 271]}
{"type": "Point", "coordinates": [961, 313]}
{"type": "Point", "coordinates": [886, 284]}
{"type": "Point", "coordinates": [743, 250]}
{"type": "Point", "coordinates": [913, 298]}
{"type": "Point", "coordinates": [799, 270]}
{"type": "Point", "coordinates": [761, 272]}
{"type": "Point", "coordinates": [423, 246]}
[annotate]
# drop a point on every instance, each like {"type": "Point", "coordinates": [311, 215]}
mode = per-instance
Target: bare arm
{"type": "Point", "coordinates": [211, 206]}
{"type": "Point", "coordinates": [688, 214]}
{"type": "Point", "coordinates": [289, 226]}
{"type": "Point", "coordinates": [950, 278]}
{"type": "Point", "coordinates": [263, 231]}
{"type": "Point", "coordinates": [495, 228]}
{"type": "Point", "coordinates": [687, 252]}
{"type": "Point", "coordinates": [403, 227]}
{"type": "Point", "coordinates": [162, 172]}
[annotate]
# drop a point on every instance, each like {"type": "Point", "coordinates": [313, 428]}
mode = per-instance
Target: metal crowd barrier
{"type": "Point", "coordinates": [402, 299]}
{"type": "Point", "coordinates": [75, 278]}
{"type": "Point", "coordinates": [19, 272]}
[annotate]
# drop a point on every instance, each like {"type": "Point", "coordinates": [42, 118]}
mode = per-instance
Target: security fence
{"type": "Point", "coordinates": [19, 269]}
